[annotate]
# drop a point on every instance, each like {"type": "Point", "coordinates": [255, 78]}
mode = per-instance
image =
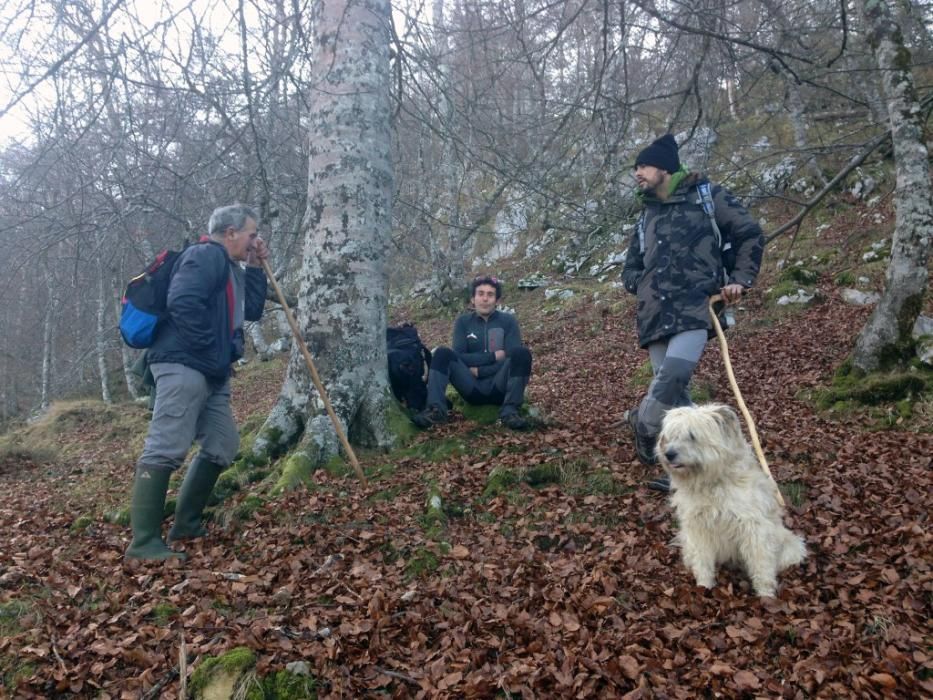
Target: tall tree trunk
{"type": "Point", "coordinates": [102, 304]}
{"type": "Point", "coordinates": [800, 126]}
{"type": "Point", "coordinates": [126, 355]}
{"type": "Point", "coordinates": [343, 282]}
{"type": "Point", "coordinates": [888, 328]}
{"type": "Point", "coordinates": [46, 390]}
{"type": "Point", "coordinates": [448, 251]}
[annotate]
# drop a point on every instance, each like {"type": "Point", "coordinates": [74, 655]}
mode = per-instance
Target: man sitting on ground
{"type": "Point", "coordinates": [488, 364]}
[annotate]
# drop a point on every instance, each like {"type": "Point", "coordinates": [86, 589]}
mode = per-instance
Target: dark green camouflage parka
{"type": "Point", "coordinates": [673, 263]}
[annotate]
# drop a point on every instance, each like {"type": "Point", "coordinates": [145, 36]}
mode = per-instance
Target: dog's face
{"type": "Point", "coordinates": [699, 442]}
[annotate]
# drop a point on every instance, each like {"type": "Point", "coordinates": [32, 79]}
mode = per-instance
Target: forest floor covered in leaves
{"type": "Point", "coordinates": [548, 570]}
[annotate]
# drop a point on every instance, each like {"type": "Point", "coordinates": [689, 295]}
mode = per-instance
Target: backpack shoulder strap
{"type": "Point", "coordinates": [640, 230]}
{"type": "Point", "coordinates": [706, 201]}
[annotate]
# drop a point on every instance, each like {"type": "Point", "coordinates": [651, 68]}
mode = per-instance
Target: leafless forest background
{"type": "Point", "coordinates": [131, 126]}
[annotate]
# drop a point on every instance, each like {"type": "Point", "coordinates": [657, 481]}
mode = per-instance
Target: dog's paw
{"type": "Point", "coordinates": [765, 589]}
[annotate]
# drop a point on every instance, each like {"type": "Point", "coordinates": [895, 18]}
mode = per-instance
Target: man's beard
{"type": "Point", "coordinates": [647, 189]}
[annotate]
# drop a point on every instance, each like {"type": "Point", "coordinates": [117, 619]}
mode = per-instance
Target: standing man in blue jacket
{"type": "Point", "coordinates": [487, 365]}
{"type": "Point", "coordinates": [209, 297]}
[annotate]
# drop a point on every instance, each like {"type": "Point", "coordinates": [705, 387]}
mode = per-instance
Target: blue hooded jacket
{"type": "Point", "coordinates": [198, 331]}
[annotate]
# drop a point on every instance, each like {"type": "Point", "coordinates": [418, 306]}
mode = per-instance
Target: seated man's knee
{"type": "Point", "coordinates": [520, 359]}
{"type": "Point", "coordinates": [441, 359]}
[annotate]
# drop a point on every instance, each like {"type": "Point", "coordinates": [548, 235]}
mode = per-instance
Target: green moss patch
{"type": "Point", "coordinates": [542, 475]}
{"type": "Point", "coordinates": [81, 523]}
{"type": "Point", "coordinates": [500, 481]}
{"type": "Point", "coordinates": [118, 516]}
{"type": "Point", "coordinates": [873, 389]}
{"type": "Point", "coordinates": [642, 376]}
{"type": "Point", "coordinates": [794, 492]}
{"type": "Point", "coordinates": [285, 685]}
{"type": "Point", "coordinates": [296, 472]}
{"type": "Point", "coordinates": [484, 415]}
{"type": "Point", "coordinates": [422, 562]}
{"type": "Point", "coordinates": [162, 613]}
{"type": "Point", "coordinates": [398, 420]}
{"type": "Point", "coordinates": [702, 391]}
{"type": "Point", "coordinates": [222, 676]}
{"type": "Point", "coordinates": [434, 519]}
{"type": "Point", "coordinates": [576, 477]}
{"type": "Point", "coordinates": [798, 275]}
{"type": "Point", "coordinates": [432, 450]}
{"type": "Point", "coordinates": [12, 616]}
{"type": "Point", "coordinates": [782, 289]}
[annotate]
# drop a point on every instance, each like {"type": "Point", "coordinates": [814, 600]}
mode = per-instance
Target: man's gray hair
{"type": "Point", "coordinates": [230, 215]}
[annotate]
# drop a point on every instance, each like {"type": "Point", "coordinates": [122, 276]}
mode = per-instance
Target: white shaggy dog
{"type": "Point", "coordinates": [725, 503]}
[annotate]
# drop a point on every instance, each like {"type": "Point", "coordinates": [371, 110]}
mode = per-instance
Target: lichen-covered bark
{"type": "Point", "coordinates": [906, 277]}
{"type": "Point", "coordinates": [343, 281]}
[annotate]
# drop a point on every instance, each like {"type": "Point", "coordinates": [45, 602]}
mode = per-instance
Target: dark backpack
{"type": "Point", "coordinates": [408, 360]}
{"type": "Point", "coordinates": [145, 298]}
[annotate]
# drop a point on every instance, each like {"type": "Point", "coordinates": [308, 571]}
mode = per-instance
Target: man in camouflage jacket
{"type": "Point", "coordinates": [673, 265]}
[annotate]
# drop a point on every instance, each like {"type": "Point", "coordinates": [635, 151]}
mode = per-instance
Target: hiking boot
{"type": "Point", "coordinates": [431, 416]}
{"type": "Point", "coordinates": [192, 498]}
{"type": "Point", "coordinates": [644, 447]}
{"type": "Point", "coordinates": [661, 483]}
{"type": "Point", "coordinates": [146, 511]}
{"type": "Point", "coordinates": [514, 421]}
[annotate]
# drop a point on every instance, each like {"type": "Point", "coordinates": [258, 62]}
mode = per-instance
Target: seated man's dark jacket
{"type": "Point", "coordinates": [476, 340]}
{"type": "Point", "coordinates": [198, 331]}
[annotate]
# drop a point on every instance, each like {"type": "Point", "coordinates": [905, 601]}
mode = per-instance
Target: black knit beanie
{"type": "Point", "coordinates": [661, 153]}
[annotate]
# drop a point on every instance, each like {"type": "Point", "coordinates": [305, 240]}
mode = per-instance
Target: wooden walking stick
{"type": "Point", "coordinates": [738, 397]}
{"type": "Point", "coordinates": [314, 375]}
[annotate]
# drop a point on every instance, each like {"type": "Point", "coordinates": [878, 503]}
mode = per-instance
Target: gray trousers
{"type": "Point", "coordinates": [189, 408]}
{"type": "Point", "coordinates": [673, 361]}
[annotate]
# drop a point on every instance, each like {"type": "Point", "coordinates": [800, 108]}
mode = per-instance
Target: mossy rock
{"type": "Point", "coordinates": [224, 677]}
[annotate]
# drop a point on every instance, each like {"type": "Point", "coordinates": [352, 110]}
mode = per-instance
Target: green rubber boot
{"type": "Point", "coordinates": [192, 498]}
{"type": "Point", "coordinates": [146, 511]}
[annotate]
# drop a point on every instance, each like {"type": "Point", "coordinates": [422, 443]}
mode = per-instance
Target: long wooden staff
{"type": "Point", "coordinates": [756, 443]}
{"type": "Point", "coordinates": [314, 375]}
